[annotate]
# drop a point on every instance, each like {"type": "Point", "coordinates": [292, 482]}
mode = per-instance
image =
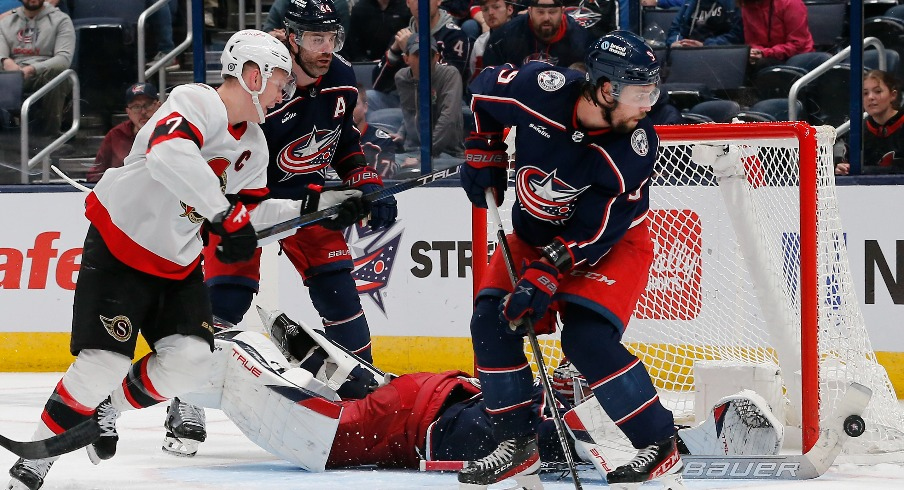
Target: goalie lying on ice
{"type": "Point", "coordinates": [395, 421]}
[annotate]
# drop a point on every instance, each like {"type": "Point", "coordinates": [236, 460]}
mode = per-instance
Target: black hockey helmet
{"type": "Point", "coordinates": [311, 15]}
{"type": "Point", "coordinates": [622, 57]}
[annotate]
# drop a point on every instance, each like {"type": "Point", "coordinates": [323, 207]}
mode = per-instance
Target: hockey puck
{"type": "Point", "coordinates": [854, 425]}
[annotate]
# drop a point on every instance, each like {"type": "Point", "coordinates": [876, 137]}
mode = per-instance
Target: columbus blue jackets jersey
{"type": "Point", "coordinates": [312, 131]}
{"type": "Point", "coordinates": [584, 188]}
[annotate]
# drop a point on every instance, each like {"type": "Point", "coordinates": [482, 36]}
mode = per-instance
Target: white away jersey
{"type": "Point", "coordinates": [183, 162]}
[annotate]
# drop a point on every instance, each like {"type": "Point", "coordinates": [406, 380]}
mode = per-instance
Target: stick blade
{"type": "Point", "coordinates": [75, 438]}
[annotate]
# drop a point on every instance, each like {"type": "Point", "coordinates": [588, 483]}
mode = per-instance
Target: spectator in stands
{"type": "Point", "coordinates": [141, 104]}
{"type": "Point", "coordinates": [775, 30]}
{"type": "Point", "coordinates": [373, 26]}
{"type": "Point", "coordinates": [494, 14]}
{"type": "Point", "coordinates": [446, 87]}
{"type": "Point", "coordinates": [883, 136]}
{"type": "Point", "coordinates": [162, 25]}
{"type": "Point", "coordinates": [38, 40]}
{"type": "Point", "coordinates": [706, 23]}
{"type": "Point", "coordinates": [378, 142]}
{"type": "Point", "coordinates": [599, 17]}
{"type": "Point", "coordinates": [460, 11]}
{"type": "Point", "coordinates": [454, 49]}
{"type": "Point", "coordinates": [277, 13]}
{"type": "Point", "coordinates": [545, 34]}
{"type": "Point", "coordinates": [209, 7]}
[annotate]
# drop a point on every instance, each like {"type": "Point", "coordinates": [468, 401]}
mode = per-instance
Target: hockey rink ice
{"type": "Point", "coordinates": [229, 461]}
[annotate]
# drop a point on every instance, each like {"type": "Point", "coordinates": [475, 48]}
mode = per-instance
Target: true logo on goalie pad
{"type": "Point", "coordinates": [119, 327]}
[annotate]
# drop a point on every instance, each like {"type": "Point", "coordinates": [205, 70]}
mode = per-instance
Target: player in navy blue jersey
{"type": "Point", "coordinates": [581, 244]}
{"type": "Point", "coordinates": [306, 135]}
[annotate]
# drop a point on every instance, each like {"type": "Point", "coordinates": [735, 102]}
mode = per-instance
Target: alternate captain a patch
{"type": "Point", "coordinates": [119, 327]}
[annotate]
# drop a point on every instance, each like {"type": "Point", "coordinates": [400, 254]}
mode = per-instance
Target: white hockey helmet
{"type": "Point", "coordinates": [262, 49]}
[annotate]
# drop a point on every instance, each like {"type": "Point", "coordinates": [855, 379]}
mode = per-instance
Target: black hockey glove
{"type": "Point", "coordinates": [237, 239]}
{"type": "Point", "coordinates": [531, 297]}
{"type": "Point", "coordinates": [486, 164]}
{"type": "Point", "coordinates": [383, 212]}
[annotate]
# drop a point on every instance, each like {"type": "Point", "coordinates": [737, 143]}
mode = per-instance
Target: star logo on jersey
{"type": "Point", "coordinates": [27, 35]}
{"type": "Point", "coordinates": [310, 153]}
{"type": "Point", "coordinates": [545, 196]}
{"type": "Point", "coordinates": [374, 261]}
{"type": "Point", "coordinates": [119, 327]}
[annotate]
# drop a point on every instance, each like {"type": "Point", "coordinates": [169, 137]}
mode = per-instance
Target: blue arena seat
{"type": "Point", "coordinates": [717, 67]}
{"type": "Point", "coordinates": [824, 18]}
{"type": "Point", "coordinates": [720, 111]}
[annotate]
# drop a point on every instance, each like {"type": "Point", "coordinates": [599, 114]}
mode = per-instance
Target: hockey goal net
{"type": "Point", "coordinates": [750, 280]}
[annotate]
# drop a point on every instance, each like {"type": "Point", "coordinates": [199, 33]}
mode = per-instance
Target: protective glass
{"type": "Point", "coordinates": [322, 42]}
{"type": "Point", "coordinates": [638, 95]}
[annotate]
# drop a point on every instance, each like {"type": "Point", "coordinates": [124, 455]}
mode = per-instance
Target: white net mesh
{"type": "Point", "coordinates": [725, 284]}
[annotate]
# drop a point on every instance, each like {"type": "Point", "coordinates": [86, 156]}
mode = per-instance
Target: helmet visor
{"type": "Point", "coordinates": [288, 88]}
{"type": "Point", "coordinates": [638, 95]}
{"type": "Point", "coordinates": [322, 41]}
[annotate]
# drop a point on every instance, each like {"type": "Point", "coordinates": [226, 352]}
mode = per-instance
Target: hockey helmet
{"type": "Point", "coordinates": [262, 49]}
{"type": "Point", "coordinates": [315, 16]}
{"type": "Point", "coordinates": [623, 58]}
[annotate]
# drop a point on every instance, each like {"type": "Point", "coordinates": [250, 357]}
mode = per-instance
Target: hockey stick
{"type": "Point", "coordinates": [317, 216]}
{"type": "Point", "coordinates": [69, 179]}
{"type": "Point", "coordinates": [65, 442]}
{"type": "Point", "coordinates": [532, 337]}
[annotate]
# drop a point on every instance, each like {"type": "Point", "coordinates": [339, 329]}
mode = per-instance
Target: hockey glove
{"type": "Point", "coordinates": [352, 208]}
{"type": "Point", "coordinates": [237, 239]}
{"type": "Point", "coordinates": [485, 166]}
{"type": "Point", "coordinates": [383, 212]}
{"type": "Point", "coordinates": [531, 297]}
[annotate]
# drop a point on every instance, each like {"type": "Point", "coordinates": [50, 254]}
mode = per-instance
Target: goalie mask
{"type": "Point", "coordinates": [625, 60]}
{"type": "Point", "coordinates": [266, 52]}
{"type": "Point", "coordinates": [316, 25]}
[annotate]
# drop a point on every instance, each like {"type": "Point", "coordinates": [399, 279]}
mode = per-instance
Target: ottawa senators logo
{"type": "Point", "coordinates": [119, 327]}
{"type": "Point", "coordinates": [219, 166]}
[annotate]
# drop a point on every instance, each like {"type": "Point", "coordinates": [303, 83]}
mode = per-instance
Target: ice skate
{"type": "Point", "coordinates": [105, 447]}
{"type": "Point", "coordinates": [185, 429]}
{"type": "Point", "coordinates": [513, 458]}
{"type": "Point", "coordinates": [28, 474]}
{"type": "Point", "coordinates": [658, 461]}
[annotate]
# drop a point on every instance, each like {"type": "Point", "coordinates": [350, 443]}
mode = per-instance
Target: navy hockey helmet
{"type": "Point", "coordinates": [623, 58]}
{"type": "Point", "coordinates": [314, 16]}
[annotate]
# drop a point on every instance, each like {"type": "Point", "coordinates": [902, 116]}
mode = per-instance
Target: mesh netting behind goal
{"type": "Point", "coordinates": [753, 270]}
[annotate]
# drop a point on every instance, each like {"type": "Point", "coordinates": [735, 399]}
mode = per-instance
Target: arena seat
{"type": "Point", "coordinates": [717, 67]}
{"type": "Point", "coordinates": [808, 61]}
{"type": "Point", "coordinates": [776, 81]}
{"type": "Point", "coordinates": [824, 19]}
{"type": "Point", "coordinates": [720, 111]}
{"type": "Point", "coordinates": [828, 100]}
{"type": "Point", "coordinates": [892, 61]}
{"type": "Point", "coordinates": [889, 30]}
{"type": "Point", "coordinates": [769, 110]}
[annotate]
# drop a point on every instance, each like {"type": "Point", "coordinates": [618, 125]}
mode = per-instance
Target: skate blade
{"type": "Point", "coordinates": [178, 447]}
{"type": "Point", "coordinates": [522, 482]}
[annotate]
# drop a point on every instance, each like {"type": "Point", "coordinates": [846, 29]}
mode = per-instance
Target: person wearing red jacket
{"type": "Point", "coordinates": [775, 30]}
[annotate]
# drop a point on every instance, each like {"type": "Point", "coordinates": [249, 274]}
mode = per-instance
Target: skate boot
{"type": "Point", "coordinates": [185, 429]}
{"type": "Point", "coordinates": [28, 474]}
{"type": "Point", "coordinates": [658, 461]}
{"type": "Point", "coordinates": [105, 446]}
{"type": "Point", "coordinates": [513, 458]}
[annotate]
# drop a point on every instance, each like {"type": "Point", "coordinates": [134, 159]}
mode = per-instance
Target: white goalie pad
{"type": "Point", "coordinates": [340, 370]}
{"type": "Point", "coordinates": [739, 424]}
{"type": "Point", "coordinates": [284, 410]}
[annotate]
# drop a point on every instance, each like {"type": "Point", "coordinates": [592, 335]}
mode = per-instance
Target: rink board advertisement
{"type": "Point", "coordinates": [414, 279]}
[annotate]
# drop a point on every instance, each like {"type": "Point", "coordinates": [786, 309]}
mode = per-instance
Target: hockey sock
{"type": "Point", "coordinates": [504, 373]}
{"type": "Point", "coordinates": [618, 379]}
{"type": "Point", "coordinates": [86, 383]}
{"type": "Point", "coordinates": [230, 301]}
{"type": "Point", "coordinates": [181, 364]}
{"type": "Point", "coordinates": [336, 299]}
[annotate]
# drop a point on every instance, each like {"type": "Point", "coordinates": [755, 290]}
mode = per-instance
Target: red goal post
{"type": "Point", "coordinates": [750, 271]}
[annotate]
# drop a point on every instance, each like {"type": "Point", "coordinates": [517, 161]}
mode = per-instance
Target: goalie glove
{"type": "Point", "coordinates": [382, 212]}
{"type": "Point", "coordinates": [485, 167]}
{"type": "Point", "coordinates": [237, 238]}
{"type": "Point", "coordinates": [531, 297]}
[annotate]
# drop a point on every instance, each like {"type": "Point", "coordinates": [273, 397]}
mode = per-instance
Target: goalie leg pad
{"type": "Point", "coordinates": [341, 370]}
{"type": "Point", "coordinates": [289, 421]}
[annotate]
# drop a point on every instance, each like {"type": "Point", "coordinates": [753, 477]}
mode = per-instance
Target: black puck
{"type": "Point", "coordinates": [854, 425]}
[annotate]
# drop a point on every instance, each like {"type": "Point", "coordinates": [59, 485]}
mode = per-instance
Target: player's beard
{"type": "Point", "coordinates": [312, 66]}
{"type": "Point", "coordinates": [33, 6]}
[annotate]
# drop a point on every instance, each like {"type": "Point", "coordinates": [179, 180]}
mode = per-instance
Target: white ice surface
{"type": "Point", "coordinates": [229, 461]}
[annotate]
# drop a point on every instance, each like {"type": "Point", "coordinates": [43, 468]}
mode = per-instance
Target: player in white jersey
{"type": "Point", "coordinates": [140, 268]}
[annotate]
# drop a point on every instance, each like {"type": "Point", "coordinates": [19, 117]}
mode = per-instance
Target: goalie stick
{"type": "Point", "coordinates": [65, 442]}
{"type": "Point", "coordinates": [317, 216]}
{"type": "Point", "coordinates": [532, 338]}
